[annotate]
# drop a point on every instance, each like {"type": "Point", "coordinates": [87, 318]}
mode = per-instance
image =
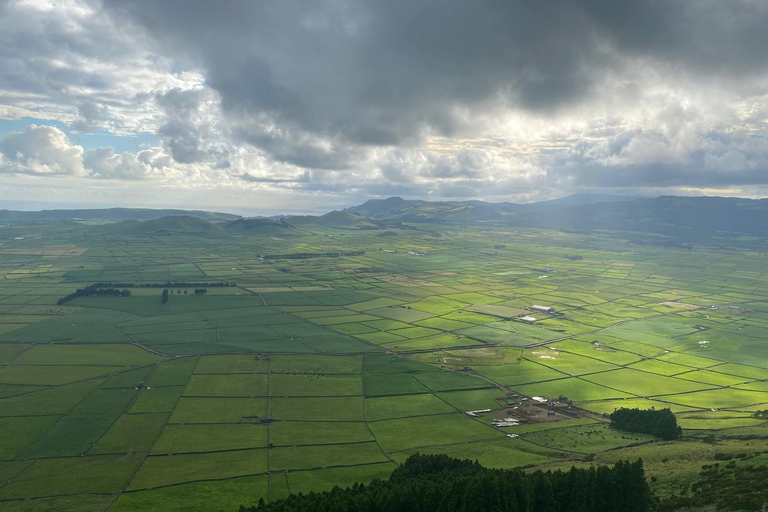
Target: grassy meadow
{"type": "Point", "coordinates": [309, 373]}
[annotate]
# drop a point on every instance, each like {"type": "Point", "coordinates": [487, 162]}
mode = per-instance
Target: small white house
{"type": "Point", "coordinates": [527, 319]}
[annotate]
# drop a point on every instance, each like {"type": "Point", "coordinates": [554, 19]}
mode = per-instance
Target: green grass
{"type": "Point", "coordinates": [520, 373]}
{"type": "Point", "coordinates": [73, 475]}
{"type": "Point", "coordinates": [231, 364]}
{"type": "Point", "coordinates": [585, 439]}
{"type": "Point", "coordinates": [644, 384]}
{"type": "Point", "coordinates": [317, 364]}
{"type": "Point", "coordinates": [129, 378]}
{"type": "Point", "coordinates": [51, 375]}
{"type": "Point", "coordinates": [218, 410]}
{"type": "Point", "coordinates": [20, 431]}
{"type": "Point", "coordinates": [392, 384]}
{"type": "Point", "coordinates": [162, 470]}
{"type": "Point", "coordinates": [712, 377]}
{"type": "Point", "coordinates": [157, 400]}
{"type": "Point", "coordinates": [575, 389]}
{"type": "Point", "coordinates": [131, 433]}
{"type": "Point", "coordinates": [209, 438]}
{"type": "Point", "coordinates": [215, 495]}
{"type": "Point", "coordinates": [403, 406]}
{"type": "Point", "coordinates": [386, 363]}
{"type": "Point", "coordinates": [311, 457]}
{"type": "Point", "coordinates": [318, 408]}
{"type": "Point", "coordinates": [227, 385]}
{"type": "Point", "coordinates": [106, 355]}
{"type": "Point", "coordinates": [450, 381]}
{"type": "Point", "coordinates": [206, 406]}
{"type": "Point", "coordinates": [81, 503]}
{"type": "Point", "coordinates": [323, 479]}
{"type": "Point", "coordinates": [174, 373]}
{"type": "Point", "coordinates": [430, 431]}
{"type": "Point", "coordinates": [48, 401]}
{"type": "Point", "coordinates": [504, 453]}
{"type": "Point", "coordinates": [719, 398]}
{"type": "Point", "coordinates": [473, 400]}
{"type": "Point", "coordinates": [290, 433]}
{"type": "Point", "coordinates": [314, 385]}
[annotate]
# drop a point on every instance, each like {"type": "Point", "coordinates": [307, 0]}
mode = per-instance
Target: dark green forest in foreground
{"type": "Point", "coordinates": [443, 484]}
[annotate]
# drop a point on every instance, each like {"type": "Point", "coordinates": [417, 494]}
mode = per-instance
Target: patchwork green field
{"type": "Point", "coordinates": [302, 374]}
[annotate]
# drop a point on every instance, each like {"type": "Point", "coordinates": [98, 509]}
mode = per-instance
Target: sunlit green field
{"type": "Point", "coordinates": [309, 373]}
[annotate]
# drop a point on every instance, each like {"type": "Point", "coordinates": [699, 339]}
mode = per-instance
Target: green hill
{"type": "Point", "coordinates": [346, 220]}
{"type": "Point", "coordinates": [258, 226]}
{"type": "Point", "coordinates": [682, 217]}
{"type": "Point", "coordinates": [106, 214]}
{"type": "Point", "coordinates": [176, 225]}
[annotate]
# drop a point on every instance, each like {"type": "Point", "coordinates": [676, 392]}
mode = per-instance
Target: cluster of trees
{"type": "Point", "coordinates": [93, 290]}
{"type": "Point", "coordinates": [426, 483]}
{"type": "Point", "coordinates": [197, 291]}
{"type": "Point", "coordinates": [574, 257]}
{"type": "Point", "coordinates": [660, 423]}
{"type": "Point", "coordinates": [305, 255]}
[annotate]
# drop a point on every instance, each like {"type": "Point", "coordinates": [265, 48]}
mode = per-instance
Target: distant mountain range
{"type": "Point", "coordinates": [689, 217]}
{"type": "Point", "coordinates": [105, 214]}
{"type": "Point", "coordinates": [681, 217]}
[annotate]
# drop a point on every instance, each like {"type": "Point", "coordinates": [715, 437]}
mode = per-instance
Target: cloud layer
{"type": "Point", "coordinates": [341, 99]}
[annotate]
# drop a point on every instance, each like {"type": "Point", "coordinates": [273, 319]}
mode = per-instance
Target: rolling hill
{"type": "Point", "coordinates": [105, 214]}
{"type": "Point", "coordinates": [176, 225]}
{"type": "Point", "coordinates": [689, 217]}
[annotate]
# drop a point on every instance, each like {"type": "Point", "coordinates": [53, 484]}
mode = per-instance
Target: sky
{"type": "Point", "coordinates": [292, 106]}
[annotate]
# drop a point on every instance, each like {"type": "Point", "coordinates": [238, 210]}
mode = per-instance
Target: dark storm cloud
{"type": "Point", "coordinates": [385, 72]}
{"type": "Point", "coordinates": [36, 48]}
{"type": "Point", "coordinates": [181, 135]}
{"type": "Point", "coordinates": [706, 36]}
{"type": "Point", "coordinates": [380, 73]}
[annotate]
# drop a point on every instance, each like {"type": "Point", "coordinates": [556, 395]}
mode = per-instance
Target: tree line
{"type": "Point", "coordinates": [167, 284]}
{"type": "Point", "coordinates": [427, 483]}
{"type": "Point", "coordinates": [93, 290]}
{"type": "Point", "coordinates": [660, 423]}
{"type": "Point", "coordinates": [305, 255]}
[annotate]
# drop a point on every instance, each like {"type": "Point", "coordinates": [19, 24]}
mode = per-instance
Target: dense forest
{"type": "Point", "coordinates": [427, 483]}
{"type": "Point", "coordinates": [660, 423]}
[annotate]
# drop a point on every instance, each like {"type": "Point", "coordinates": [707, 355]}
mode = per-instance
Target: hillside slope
{"type": "Point", "coordinates": [692, 217]}
{"type": "Point", "coordinates": [106, 214]}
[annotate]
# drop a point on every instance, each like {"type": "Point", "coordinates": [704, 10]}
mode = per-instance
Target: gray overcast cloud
{"type": "Point", "coordinates": [293, 105]}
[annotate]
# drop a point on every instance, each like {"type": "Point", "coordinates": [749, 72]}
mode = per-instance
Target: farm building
{"type": "Point", "coordinates": [527, 319]}
{"type": "Point", "coordinates": [543, 309]}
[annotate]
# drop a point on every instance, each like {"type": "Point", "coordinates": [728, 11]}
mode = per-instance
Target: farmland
{"type": "Point", "coordinates": [306, 373]}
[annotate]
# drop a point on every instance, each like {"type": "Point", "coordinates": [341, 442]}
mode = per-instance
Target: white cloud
{"type": "Point", "coordinates": [343, 100]}
{"type": "Point", "coordinates": [41, 150]}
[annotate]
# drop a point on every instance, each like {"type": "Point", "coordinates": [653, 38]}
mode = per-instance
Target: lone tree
{"type": "Point", "coordinates": [165, 295]}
